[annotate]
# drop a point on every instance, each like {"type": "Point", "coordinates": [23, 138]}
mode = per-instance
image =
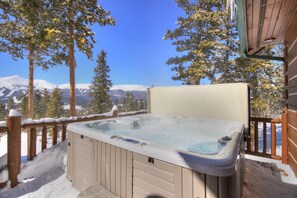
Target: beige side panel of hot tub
{"type": "Point", "coordinates": [114, 169]}
{"type": "Point", "coordinates": [155, 178]}
{"type": "Point", "coordinates": [69, 155]}
{"type": "Point", "coordinates": [195, 184]}
{"type": "Point", "coordinates": [84, 161]}
{"type": "Point", "coordinates": [221, 101]}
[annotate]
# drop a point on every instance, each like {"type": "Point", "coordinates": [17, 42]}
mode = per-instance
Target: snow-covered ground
{"type": "Point", "coordinates": [266, 178]}
{"type": "Point", "coordinates": [43, 177]}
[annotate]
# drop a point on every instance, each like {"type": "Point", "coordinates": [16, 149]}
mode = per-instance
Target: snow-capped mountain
{"type": "Point", "coordinates": [14, 86]}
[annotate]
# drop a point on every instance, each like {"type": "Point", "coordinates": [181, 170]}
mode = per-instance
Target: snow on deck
{"type": "Point", "coordinates": [267, 178]}
{"type": "Point", "coordinates": [44, 176]}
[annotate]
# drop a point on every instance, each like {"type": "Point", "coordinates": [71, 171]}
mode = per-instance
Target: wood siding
{"type": "Point", "coordinates": [270, 20]}
{"type": "Point", "coordinates": [291, 86]}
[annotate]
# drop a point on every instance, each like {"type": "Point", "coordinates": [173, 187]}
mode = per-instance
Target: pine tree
{"type": "Point", "coordinates": [2, 111]}
{"type": "Point", "coordinates": [44, 102]}
{"type": "Point", "coordinates": [135, 105]}
{"type": "Point", "coordinates": [141, 105]}
{"type": "Point", "coordinates": [38, 107]}
{"type": "Point", "coordinates": [129, 103]}
{"type": "Point", "coordinates": [265, 80]}
{"type": "Point", "coordinates": [27, 30]}
{"type": "Point", "coordinates": [227, 48]}
{"type": "Point", "coordinates": [100, 86]}
{"type": "Point", "coordinates": [120, 108]}
{"type": "Point", "coordinates": [124, 104]}
{"type": "Point", "coordinates": [10, 105]}
{"type": "Point", "coordinates": [76, 19]}
{"type": "Point", "coordinates": [196, 37]}
{"type": "Point", "coordinates": [23, 105]}
{"type": "Point", "coordinates": [55, 105]}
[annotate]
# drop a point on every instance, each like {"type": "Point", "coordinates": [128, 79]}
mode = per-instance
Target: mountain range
{"type": "Point", "coordinates": [14, 86]}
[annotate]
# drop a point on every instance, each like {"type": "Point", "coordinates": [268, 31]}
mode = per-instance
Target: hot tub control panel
{"type": "Point", "coordinates": [129, 140]}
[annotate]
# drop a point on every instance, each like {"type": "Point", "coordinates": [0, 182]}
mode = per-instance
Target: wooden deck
{"type": "Point", "coordinates": [96, 191]}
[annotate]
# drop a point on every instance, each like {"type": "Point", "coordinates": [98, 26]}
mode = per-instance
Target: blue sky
{"type": "Point", "coordinates": [135, 50]}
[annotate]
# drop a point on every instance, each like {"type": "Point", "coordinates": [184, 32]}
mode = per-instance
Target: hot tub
{"type": "Point", "coordinates": [153, 155]}
{"type": "Point", "coordinates": [205, 148]}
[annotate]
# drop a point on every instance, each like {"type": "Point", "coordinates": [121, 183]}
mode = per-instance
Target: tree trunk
{"type": "Point", "coordinates": [30, 87]}
{"type": "Point", "coordinates": [71, 60]}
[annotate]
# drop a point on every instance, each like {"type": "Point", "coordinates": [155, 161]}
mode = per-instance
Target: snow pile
{"type": "Point", "coordinates": [45, 175]}
{"type": "Point", "coordinates": [3, 176]}
{"type": "Point", "coordinates": [51, 159]}
{"type": "Point", "coordinates": [122, 114]}
{"type": "Point", "coordinates": [114, 108]}
{"type": "Point", "coordinates": [3, 124]}
{"type": "Point", "coordinates": [61, 187]}
{"type": "Point", "coordinates": [14, 113]}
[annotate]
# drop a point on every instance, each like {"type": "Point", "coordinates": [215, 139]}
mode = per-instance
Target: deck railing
{"type": "Point", "coordinates": [14, 127]}
{"type": "Point", "coordinates": [264, 132]}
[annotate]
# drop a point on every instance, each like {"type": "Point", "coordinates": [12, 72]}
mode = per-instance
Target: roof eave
{"type": "Point", "coordinates": [241, 26]}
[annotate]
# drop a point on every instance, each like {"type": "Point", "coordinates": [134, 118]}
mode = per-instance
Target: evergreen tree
{"type": "Point", "coordinates": [55, 105]}
{"type": "Point", "coordinates": [2, 111]}
{"type": "Point", "coordinates": [10, 105]}
{"type": "Point", "coordinates": [141, 104]}
{"type": "Point", "coordinates": [43, 103]}
{"type": "Point", "coordinates": [135, 105]}
{"type": "Point", "coordinates": [23, 105]}
{"type": "Point", "coordinates": [38, 108]}
{"type": "Point", "coordinates": [76, 19]}
{"type": "Point", "coordinates": [27, 30]}
{"type": "Point", "coordinates": [196, 37]}
{"type": "Point", "coordinates": [265, 80]}
{"type": "Point", "coordinates": [208, 40]}
{"type": "Point", "coordinates": [100, 86]}
{"type": "Point", "coordinates": [125, 104]}
{"type": "Point", "coordinates": [227, 48]}
{"type": "Point", "coordinates": [116, 102]}
{"type": "Point", "coordinates": [129, 103]}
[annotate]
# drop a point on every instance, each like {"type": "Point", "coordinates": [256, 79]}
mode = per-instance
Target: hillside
{"type": "Point", "coordinates": [14, 86]}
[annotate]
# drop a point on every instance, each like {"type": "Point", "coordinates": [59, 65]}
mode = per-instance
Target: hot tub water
{"type": "Point", "coordinates": [194, 135]}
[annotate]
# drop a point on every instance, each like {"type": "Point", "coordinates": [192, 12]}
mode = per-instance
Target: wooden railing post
{"type": "Point", "coordinates": [264, 138]}
{"type": "Point", "coordinates": [64, 132]}
{"type": "Point", "coordinates": [13, 146]}
{"type": "Point", "coordinates": [273, 139]}
{"type": "Point", "coordinates": [31, 143]}
{"type": "Point", "coordinates": [55, 135]}
{"type": "Point", "coordinates": [285, 136]}
{"type": "Point", "coordinates": [256, 137]}
{"type": "Point", "coordinates": [44, 138]}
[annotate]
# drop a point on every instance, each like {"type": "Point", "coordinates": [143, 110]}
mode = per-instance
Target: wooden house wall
{"type": "Point", "coordinates": [291, 91]}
